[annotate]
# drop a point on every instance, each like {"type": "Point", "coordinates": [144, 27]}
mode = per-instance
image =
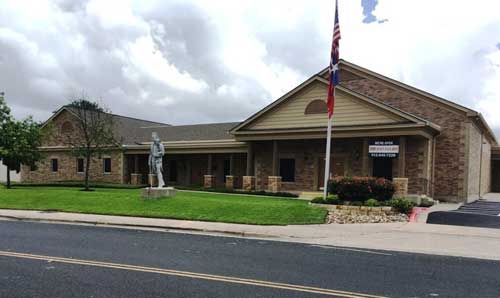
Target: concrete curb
{"type": "Point", "coordinates": [232, 233]}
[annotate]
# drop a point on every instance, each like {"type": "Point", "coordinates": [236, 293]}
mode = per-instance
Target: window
{"type": "Point", "coordinates": [317, 106]}
{"type": "Point", "coordinates": [80, 165]}
{"type": "Point", "coordinates": [54, 164]}
{"type": "Point", "coordinates": [173, 171]}
{"type": "Point", "coordinates": [287, 169]}
{"type": "Point", "coordinates": [107, 165]}
{"type": "Point", "coordinates": [33, 167]}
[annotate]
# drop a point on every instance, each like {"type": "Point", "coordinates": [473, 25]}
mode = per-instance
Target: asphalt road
{"type": "Point", "coordinates": [56, 260]}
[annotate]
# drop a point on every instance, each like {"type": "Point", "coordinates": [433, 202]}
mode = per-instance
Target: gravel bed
{"type": "Point", "coordinates": [342, 218]}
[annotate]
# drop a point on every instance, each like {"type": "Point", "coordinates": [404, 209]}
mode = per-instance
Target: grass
{"type": "Point", "coordinates": [230, 208]}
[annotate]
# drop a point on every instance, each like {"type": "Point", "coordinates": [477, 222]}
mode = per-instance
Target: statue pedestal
{"type": "Point", "coordinates": [157, 193]}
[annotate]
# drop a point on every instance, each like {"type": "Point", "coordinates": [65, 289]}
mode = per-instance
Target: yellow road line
{"type": "Point", "coordinates": [220, 278]}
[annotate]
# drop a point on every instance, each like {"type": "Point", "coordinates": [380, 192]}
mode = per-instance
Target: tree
{"type": "Point", "coordinates": [19, 141]}
{"type": "Point", "coordinates": [94, 135]}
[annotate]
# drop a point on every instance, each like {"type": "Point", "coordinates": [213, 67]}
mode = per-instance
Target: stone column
{"type": "Point", "coordinates": [402, 157]}
{"type": "Point", "coordinates": [248, 183]}
{"type": "Point", "coordinates": [365, 159]}
{"type": "Point", "coordinates": [209, 181]}
{"type": "Point", "coordinates": [230, 182]}
{"type": "Point", "coordinates": [275, 165]}
{"type": "Point", "coordinates": [274, 183]}
{"type": "Point", "coordinates": [135, 178]}
{"type": "Point", "coordinates": [250, 161]}
{"type": "Point", "coordinates": [400, 187]}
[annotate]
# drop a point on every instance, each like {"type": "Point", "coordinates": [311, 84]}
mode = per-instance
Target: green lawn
{"type": "Point", "coordinates": [186, 205]}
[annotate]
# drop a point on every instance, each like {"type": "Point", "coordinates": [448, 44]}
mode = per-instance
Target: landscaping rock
{"type": "Point", "coordinates": [345, 218]}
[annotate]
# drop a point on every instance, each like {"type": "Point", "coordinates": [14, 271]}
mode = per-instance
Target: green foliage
{"type": "Point", "coordinates": [361, 188]}
{"type": "Point", "coordinates": [332, 199]}
{"type": "Point", "coordinates": [402, 205]}
{"type": "Point", "coordinates": [225, 190]}
{"type": "Point", "coordinates": [19, 141]}
{"type": "Point", "coordinates": [318, 200]}
{"type": "Point", "coordinates": [372, 203]}
{"type": "Point", "coordinates": [231, 208]}
{"type": "Point", "coordinates": [78, 184]}
{"type": "Point", "coordinates": [94, 133]}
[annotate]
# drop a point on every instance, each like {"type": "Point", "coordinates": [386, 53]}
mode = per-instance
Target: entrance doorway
{"type": "Point", "coordinates": [382, 167]}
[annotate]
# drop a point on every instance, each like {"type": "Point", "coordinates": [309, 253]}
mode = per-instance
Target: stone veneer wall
{"type": "Point", "coordinates": [309, 153]}
{"type": "Point", "coordinates": [450, 159]}
{"type": "Point", "coordinates": [479, 164]}
{"type": "Point", "coordinates": [67, 169]}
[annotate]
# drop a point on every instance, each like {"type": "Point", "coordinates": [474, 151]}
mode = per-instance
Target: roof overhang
{"type": "Point", "coordinates": [408, 129]}
{"type": "Point", "coordinates": [193, 147]}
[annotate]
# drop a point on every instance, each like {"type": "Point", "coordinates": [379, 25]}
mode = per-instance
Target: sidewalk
{"type": "Point", "coordinates": [406, 237]}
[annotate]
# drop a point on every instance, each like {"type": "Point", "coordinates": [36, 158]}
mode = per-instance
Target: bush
{"type": "Point", "coordinates": [361, 188]}
{"type": "Point", "coordinates": [353, 189]}
{"type": "Point", "coordinates": [402, 205]}
{"type": "Point", "coordinates": [224, 190]}
{"type": "Point", "coordinates": [356, 203]}
{"type": "Point", "coordinates": [332, 199]}
{"type": "Point", "coordinates": [372, 203]}
{"type": "Point", "coordinates": [318, 200]}
{"type": "Point", "coordinates": [382, 189]}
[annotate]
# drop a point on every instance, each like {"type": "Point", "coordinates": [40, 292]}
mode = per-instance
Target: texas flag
{"type": "Point", "coordinates": [334, 63]}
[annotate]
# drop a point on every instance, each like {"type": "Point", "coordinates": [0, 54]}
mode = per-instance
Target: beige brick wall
{"type": "Point", "coordinates": [479, 169]}
{"type": "Point", "coordinates": [67, 169]}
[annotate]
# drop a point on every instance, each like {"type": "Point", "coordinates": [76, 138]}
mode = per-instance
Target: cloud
{"type": "Point", "coordinates": [204, 61]}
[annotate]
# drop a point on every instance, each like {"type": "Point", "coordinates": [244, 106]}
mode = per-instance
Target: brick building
{"type": "Point", "coordinates": [443, 149]}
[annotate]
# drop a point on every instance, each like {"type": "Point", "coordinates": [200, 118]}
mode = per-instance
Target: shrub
{"type": "Point", "coordinates": [382, 189]}
{"type": "Point", "coordinates": [353, 189]}
{"type": "Point", "coordinates": [361, 188]}
{"type": "Point", "coordinates": [318, 200]}
{"type": "Point", "coordinates": [372, 203]}
{"type": "Point", "coordinates": [333, 185]}
{"type": "Point", "coordinates": [402, 205]}
{"type": "Point", "coordinates": [332, 199]}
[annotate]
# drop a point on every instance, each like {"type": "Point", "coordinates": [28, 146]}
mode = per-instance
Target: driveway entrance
{"type": "Point", "coordinates": [484, 213]}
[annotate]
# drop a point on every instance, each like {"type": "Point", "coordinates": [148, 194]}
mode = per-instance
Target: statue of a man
{"type": "Point", "coordinates": [156, 159]}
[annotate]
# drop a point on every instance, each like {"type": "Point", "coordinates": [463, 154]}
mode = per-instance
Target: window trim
{"type": "Point", "coordinates": [52, 165]}
{"type": "Point", "coordinates": [83, 165]}
{"type": "Point", "coordinates": [104, 165]}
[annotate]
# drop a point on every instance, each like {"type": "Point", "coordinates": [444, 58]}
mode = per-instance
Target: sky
{"type": "Point", "coordinates": [198, 61]}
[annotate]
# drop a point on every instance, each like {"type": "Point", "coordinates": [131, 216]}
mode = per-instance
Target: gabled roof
{"type": "Point", "coordinates": [133, 131]}
{"type": "Point", "coordinates": [366, 73]}
{"type": "Point", "coordinates": [119, 118]}
{"type": "Point", "coordinates": [318, 78]}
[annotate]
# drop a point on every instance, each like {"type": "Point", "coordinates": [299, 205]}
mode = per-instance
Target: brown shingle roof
{"type": "Point", "coordinates": [195, 132]}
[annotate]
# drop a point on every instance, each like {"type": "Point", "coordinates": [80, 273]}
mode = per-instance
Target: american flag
{"type": "Point", "coordinates": [334, 63]}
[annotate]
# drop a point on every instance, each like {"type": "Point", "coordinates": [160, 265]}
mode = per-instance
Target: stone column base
{"type": "Point", "coordinates": [157, 193]}
{"type": "Point", "coordinates": [135, 179]}
{"type": "Point", "coordinates": [248, 183]}
{"type": "Point", "coordinates": [209, 181]}
{"type": "Point", "coordinates": [152, 180]}
{"type": "Point", "coordinates": [274, 183]}
{"type": "Point", "coordinates": [230, 182]}
{"type": "Point", "coordinates": [400, 187]}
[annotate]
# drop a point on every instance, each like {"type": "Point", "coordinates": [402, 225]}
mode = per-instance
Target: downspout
{"type": "Point", "coordinates": [433, 163]}
{"type": "Point", "coordinates": [481, 166]}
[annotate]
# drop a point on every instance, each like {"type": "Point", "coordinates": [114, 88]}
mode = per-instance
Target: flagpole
{"type": "Point", "coordinates": [327, 154]}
